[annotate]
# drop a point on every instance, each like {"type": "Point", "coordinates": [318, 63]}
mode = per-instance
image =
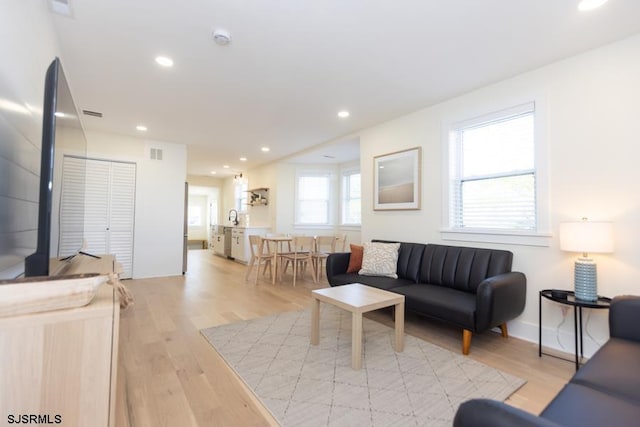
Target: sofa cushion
{"type": "Point", "coordinates": [612, 370]}
{"type": "Point", "coordinates": [409, 259]}
{"type": "Point", "coordinates": [380, 259]}
{"type": "Point", "coordinates": [577, 405]}
{"type": "Point", "coordinates": [442, 303]}
{"type": "Point", "coordinates": [460, 267]}
{"type": "Point", "coordinates": [380, 282]}
{"type": "Point", "coordinates": [355, 260]}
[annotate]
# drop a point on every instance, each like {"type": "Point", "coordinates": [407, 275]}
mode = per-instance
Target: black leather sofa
{"type": "Point", "coordinates": [604, 392]}
{"type": "Point", "coordinates": [471, 288]}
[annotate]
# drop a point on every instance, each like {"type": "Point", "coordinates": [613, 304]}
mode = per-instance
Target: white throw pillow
{"type": "Point", "coordinates": [380, 259]}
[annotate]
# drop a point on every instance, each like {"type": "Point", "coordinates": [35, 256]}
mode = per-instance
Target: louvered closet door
{"type": "Point", "coordinates": [96, 211]}
{"type": "Point", "coordinates": [122, 202]}
{"type": "Point", "coordinates": [72, 206]}
{"type": "Point", "coordinates": [108, 202]}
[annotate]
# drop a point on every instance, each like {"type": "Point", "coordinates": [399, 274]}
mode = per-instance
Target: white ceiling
{"type": "Point", "coordinates": [293, 64]}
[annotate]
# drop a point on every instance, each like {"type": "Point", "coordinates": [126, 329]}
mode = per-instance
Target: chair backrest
{"type": "Point", "coordinates": [303, 244]}
{"type": "Point", "coordinates": [326, 244]}
{"type": "Point", "coordinates": [255, 242]}
{"type": "Point", "coordinates": [341, 243]}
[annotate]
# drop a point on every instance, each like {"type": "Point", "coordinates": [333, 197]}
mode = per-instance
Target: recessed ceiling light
{"type": "Point", "coordinates": [265, 149]}
{"type": "Point", "coordinates": [225, 166]}
{"type": "Point", "coordinates": [141, 128]}
{"type": "Point", "coordinates": [58, 114]}
{"type": "Point", "coordinates": [243, 159]}
{"type": "Point", "coordinates": [164, 61]}
{"type": "Point", "coordinates": [343, 114]}
{"type": "Point", "coordinates": [587, 5]}
{"type": "Point", "coordinates": [213, 172]}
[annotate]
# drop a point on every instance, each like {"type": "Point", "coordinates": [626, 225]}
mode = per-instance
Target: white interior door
{"type": "Point", "coordinates": [121, 214]}
{"type": "Point", "coordinates": [108, 204]}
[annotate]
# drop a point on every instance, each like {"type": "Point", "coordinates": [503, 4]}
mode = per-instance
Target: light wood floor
{"type": "Point", "coordinates": [168, 375]}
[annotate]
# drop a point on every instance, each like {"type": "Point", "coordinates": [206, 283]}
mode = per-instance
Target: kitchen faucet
{"type": "Point", "coordinates": [235, 217]}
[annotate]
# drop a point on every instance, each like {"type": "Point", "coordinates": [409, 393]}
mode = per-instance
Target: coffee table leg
{"type": "Point", "coordinates": [315, 321]}
{"type": "Point", "coordinates": [399, 321]}
{"type": "Point", "coordinates": [356, 340]}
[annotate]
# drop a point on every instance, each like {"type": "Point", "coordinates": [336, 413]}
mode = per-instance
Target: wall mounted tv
{"type": "Point", "coordinates": [61, 132]}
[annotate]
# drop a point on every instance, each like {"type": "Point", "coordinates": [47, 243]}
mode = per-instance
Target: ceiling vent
{"type": "Point", "coordinates": [61, 7]}
{"type": "Point", "coordinates": [155, 153]}
{"type": "Point", "coordinates": [92, 113]}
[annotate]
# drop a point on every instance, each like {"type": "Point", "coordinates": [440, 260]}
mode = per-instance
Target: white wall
{"type": "Point", "coordinates": [27, 46]}
{"type": "Point", "coordinates": [158, 238]}
{"type": "Point", "coordinates": [279, 215]}
{"type": "Point", "coordinates": [591, 104]}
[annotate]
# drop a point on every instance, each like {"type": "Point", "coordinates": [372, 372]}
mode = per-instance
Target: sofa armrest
{"type": "Point", "coordinates": [492, 413]}
{"type": "Point", "coordinates": [500, 298]}
{"type": "Point", "coordinates": [337, 263]}
{"type": "Point", "coordinates": [624, 318]}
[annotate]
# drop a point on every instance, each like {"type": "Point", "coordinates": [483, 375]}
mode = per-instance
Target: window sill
{"type": "Point", "coordinates": [498, 236]}
{"type": "Point", "coordinates": [314, 226]}
{"type": "Point", "coordinates": [350, 227]}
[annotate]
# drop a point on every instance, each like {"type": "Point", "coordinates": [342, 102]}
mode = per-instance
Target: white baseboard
{"type": "Point", "coordinates": [561, 340]}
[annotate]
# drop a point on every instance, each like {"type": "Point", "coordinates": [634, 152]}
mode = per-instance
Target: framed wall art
{"type": "Point", "coordinates": [396, 180]}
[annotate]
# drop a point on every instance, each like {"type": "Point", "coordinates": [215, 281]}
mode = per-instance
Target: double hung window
{"type": "Point", "coordinates": [351, 201]}
{"type": "Point", "coordinates": [313, 198]}
{"type": "Point", "coordinates": [492, 173]}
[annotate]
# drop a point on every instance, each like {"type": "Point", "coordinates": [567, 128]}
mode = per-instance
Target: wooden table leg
{"type": "Point", "coordinates": [356, 340]}
{"type": "Point", "coordinates": [399, 326]}
{"type": "Point", "coordinates": [315, 321]}
{"type": "Point", "coordinates": [275, 264]}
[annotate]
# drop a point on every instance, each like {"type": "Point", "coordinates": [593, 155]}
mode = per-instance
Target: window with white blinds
{"type": "Point", "coordinates": [351, 198]}
{"type": "Point", "coordinates": [492, 172]}
{"type": "Point", "coordinates": [313, 198]}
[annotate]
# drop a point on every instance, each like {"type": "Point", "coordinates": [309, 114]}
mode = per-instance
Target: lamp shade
{"type": "Point", "coordinates": [586, 237]}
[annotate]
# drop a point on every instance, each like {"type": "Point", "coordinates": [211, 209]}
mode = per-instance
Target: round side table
{"type": "Point", "coordinates": [569, 298]}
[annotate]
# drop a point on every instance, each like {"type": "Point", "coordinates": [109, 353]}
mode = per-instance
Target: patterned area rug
{"type": "Point", "coordinates": [305, 385]}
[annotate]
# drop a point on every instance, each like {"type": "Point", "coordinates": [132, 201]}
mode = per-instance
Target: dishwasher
{"type": "Point", "coordinates": [227, 242]}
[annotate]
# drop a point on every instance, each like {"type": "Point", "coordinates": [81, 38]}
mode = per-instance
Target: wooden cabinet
{"type": "Point", "coordinates": [62, 363]}
{"type": "Point", "coordinates": [240, 247]}
{"type": "Point", "coordinates": [218, 244]}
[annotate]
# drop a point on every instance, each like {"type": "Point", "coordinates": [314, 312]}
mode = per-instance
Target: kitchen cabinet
{"type": "Point", "coordinates": [240, 246]}
{"type": "Point", "coordinates": [218, 243]}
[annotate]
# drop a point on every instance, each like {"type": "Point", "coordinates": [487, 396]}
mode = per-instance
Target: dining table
{"type": "Point", "coordinates": [278, 241]}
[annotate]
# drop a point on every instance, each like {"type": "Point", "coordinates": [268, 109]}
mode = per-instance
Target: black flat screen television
{"type": "Point", "coordinates": [61, 129]}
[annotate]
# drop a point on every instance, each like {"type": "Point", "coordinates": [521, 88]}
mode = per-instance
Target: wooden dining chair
{"type": "Point", "coordinates": [324, 246]}
{"type": "Point", "coordinates": [301, 256]}
{"type": "Point", "coordinates": [260, 255]}
{"type": "Point", "coordinates": [341, 243]}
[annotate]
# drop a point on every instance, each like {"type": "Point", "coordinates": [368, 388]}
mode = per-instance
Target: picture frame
{"type": "Point", "coordinates": [397, 179]}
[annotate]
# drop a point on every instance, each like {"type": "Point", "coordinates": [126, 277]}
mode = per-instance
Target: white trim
{"type": "Point", "coordinates": [342, 197]}
{"type": "Point", "coordinates": [541, 236]}
{"type": "Point", "coordinates": [314, 226]}
{"type": "Point", "coordinates": [528, 331]}
{"type": "Point", "coordinates": [498, 236]}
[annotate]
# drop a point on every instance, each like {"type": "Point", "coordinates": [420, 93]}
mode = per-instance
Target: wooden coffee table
{"type": "Point", "coordinates": [358, 299]}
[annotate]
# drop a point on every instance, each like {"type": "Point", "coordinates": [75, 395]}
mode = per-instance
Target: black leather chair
{"type": "Point", "coordinates": [604, 392]}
